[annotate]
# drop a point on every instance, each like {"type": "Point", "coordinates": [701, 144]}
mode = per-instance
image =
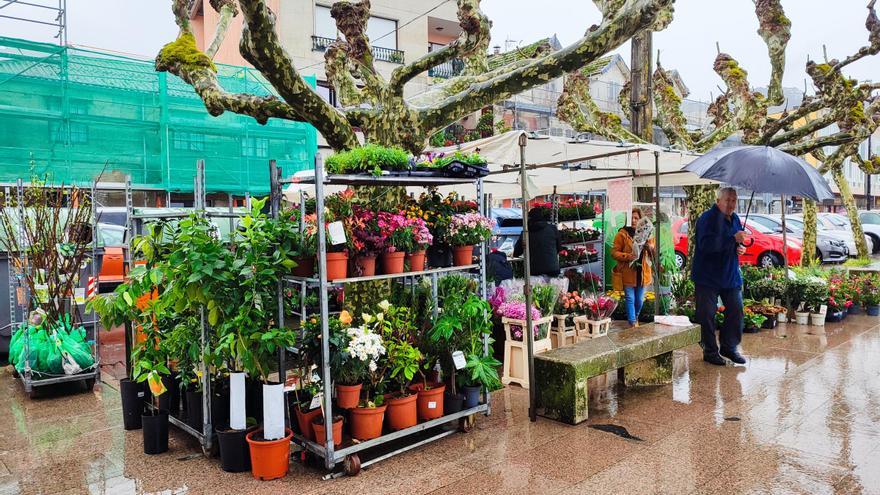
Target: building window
{"type": "Point", "coordinates": [328, 93]}
{"type": "Point", "coordinates": [382, 32]}
{"type": "Point", "coordinates": [79, 133]}
{"type": "Point", "coordinates": [255, 147]}
{"type": "Point", "coordinates": [188, 141]}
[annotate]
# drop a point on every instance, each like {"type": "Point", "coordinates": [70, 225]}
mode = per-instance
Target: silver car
{"type": "Point", "coordinates": [838, 222]}
{"type": "Point", "coordinates": [829, 223]}
{"type": "Point", "coordinates": [830, 248]}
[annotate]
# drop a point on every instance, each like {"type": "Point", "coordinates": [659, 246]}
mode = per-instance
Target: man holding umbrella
{"type": "Point", "coordinates": [715, 272]}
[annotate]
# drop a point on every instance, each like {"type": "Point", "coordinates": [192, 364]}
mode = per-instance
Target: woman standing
{"type": "Point", "coordinates": [633, 270]}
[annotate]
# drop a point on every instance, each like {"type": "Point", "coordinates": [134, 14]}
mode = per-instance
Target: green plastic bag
{"type": "Point", "coordinates": [80, 351]}
{"type": "Point", "coordinates": [53, 357]}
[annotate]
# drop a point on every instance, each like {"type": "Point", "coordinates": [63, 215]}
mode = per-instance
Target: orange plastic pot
{"type": "Point", "coordinates": [402, 412]}
{"type": "Point", "coordinates": [367, 265]}
{"type": "Point", "coordinates": [348, 396]}
{"type": "Point", "coordinates": [269, 459]}
{"type": "Point", "coordinates": [337, 265]}
{"type": "Point", "coordinates": [416, 261]}
{"type": "Point", "coordinates": [321, 432]}
{"type": "Point", "coordinates": [304, 420]}
{"type": "Point", "coordinates": [430, 401]}
{"type": "Point", "coordinates": [366, 422]}
{"type": "Point", "coordinates": [305, 267]}
{"type": "Point", "coordinates": [462, 255]}
{"type": "Point", "coordinates": [392, 262]}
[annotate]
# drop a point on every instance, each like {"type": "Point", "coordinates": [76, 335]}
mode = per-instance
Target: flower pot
{"type": "Point", "coordinates": [802, 318]}
{"type": "Point", "coordinates": [304, 420]}
{"type": "Point", "coordinates": [462, 255]}
{"type": "Point", "coordinates": [269, 458]}
{"type": "Point", "coordinates": [452, 403]}
{"type": "Point", "coordinates": [401, 412]}
{"type": "Point", "coordinates": [781, 318]}
{"type": "Point", "coordinates": [321, 432]}
{"type": "Point", "coordinates": [348, 396]}
{"type": "Point", "coordinates": [471, 396]}
{"type": "Point", "coordinates": [834, 316]}
{"type": "Point", "coordinates": [416, 261]}
{"type": "Point", "coordinates": [392, 262]}
{"type": "Point", "coordinates": [769, 323]}
{"type": "Point", "coordinates": [855, 309]}
{"type": "Point", "coordinates": [430, 402]}
{"type": "Point", "coordinates": [439, 256]}
{"type": "Point", "coordinates": [235, 455]}
{"type": "Point", "coordinates": [170, 400]}
{"type": "Point", "coordinates": [366, 422]}
{"type": "Point", "coordinates": [751, 329]}
{"type": "Point", "coordinates": [155, 432]}
{"type": "Point", "coordinates": [337, 265]}
{"type": "Point", "coordinates": [253, 400]}
{"type": "Point", "coordinates": [872, 310]}
{"type": "Point", "coordinates": [220, 405]}
{"type": "Point", "coordinates": [194, 410]}
{"type": "Point", "coordinates": [305, 267]}
{"type": "Point", "coordinates": [366, 265]}
{"type": "Point", "coordinates": [132, 403]}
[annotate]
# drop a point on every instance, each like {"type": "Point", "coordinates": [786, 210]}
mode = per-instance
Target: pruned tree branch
{"type": "Point", "coordinates": [775, 29]}
{"type": "Point", "coordinates": [577, 107]}
{"type": "Point", "coordinates": [227, 10]}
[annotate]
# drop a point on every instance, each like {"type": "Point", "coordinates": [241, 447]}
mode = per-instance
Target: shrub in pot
{"type": "Point", "coordinates": [403, 361]}
{"type": "Point", "coordinates": [465, 231]}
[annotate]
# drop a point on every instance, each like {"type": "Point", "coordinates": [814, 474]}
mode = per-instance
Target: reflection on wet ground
{"type": "Point", "coordinates": [802, 417]}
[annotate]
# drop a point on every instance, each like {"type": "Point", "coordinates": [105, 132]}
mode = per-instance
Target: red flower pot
{"type": "Point", "coordinates": [348, 396]}
{"type": "Point", "coordinates": [321, 432]}
{"type": "Point", "coordinates": [462, 255]}
{"type": "Point", "coordinates": [367, 265]}
{"type": "Point", "coordinates": [304, 420]}
{"type": "Point", "coordinates": [337, 265]}
{"type": "Point", "coordinates": [402, 412]}
{"type": "Point", "coordinates": [416, 261]}
{"type": "Point", "coordinates": [269, 459]}
{"type": "Point", "coordinates": [392, 262]}
{"type": "Point", "coordinates": [366, 422]}
{"type": "Point", "coordinates": [430, 401]}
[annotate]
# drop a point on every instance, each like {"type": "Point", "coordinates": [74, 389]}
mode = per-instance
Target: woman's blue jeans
{"type": "Point", "coordinates": [634, 297]}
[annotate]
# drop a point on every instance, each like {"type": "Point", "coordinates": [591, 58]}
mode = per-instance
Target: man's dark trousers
{"type": "Point", "coordinates": [731, 330]}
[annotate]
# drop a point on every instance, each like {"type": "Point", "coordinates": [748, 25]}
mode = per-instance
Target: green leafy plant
{"type": "Point", "coordinates": [464, 324]}
{"type": "Point", "coordinates": [370, 158]}
{"type": "Point", "coordinates": [404, 361]}
{"type": "Point", "coordinates": [544, 297]}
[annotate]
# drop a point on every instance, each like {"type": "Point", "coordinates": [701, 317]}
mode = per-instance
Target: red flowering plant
{"type": "Point", "coordinates": [367, 236]}
{"type": "Point", "coordinates": [838, 299]}
{"type": "Point", "coordinates": [396, 229]}
{"type": "Point", "coordinates": [576, 209]}
{"type": "Point", "coordinates": [598, 307]}
{"type": "Point", "coordinates": [437, 210]}
{"type": "Point", "coordinates": [574, 255]}
{"type": "Point", "coordinates": [583, 282]}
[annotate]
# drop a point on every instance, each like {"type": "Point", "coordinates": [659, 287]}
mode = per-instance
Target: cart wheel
{"type": "Point", "coordinates": [352, 464]}
{"type": "Point", "coordinates": [466, 424]}
{"type": "Point", "coordinates": [90, 384]}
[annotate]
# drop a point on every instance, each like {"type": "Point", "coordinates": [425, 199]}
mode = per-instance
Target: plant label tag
{"type": "Point", "coordinates": [316, 401]}
{"type": "Point", "coordinates": [823, 310]}
{"type": "Point", "coordinates": [337, 233]}
{"type": "Point", "coordinates": [140, 395]}
{"type": "Point", "coordinates": [458, 359]}
{"type": "Point", "coordinates": [432, 405]}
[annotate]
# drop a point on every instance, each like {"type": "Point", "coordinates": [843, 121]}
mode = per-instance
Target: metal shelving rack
{"type": "Point", "coordinates": [27, 378]}
{"type": "Point", "coordinates": [597, 264]}
{"type": "Point", "coordinates": [410, 438]}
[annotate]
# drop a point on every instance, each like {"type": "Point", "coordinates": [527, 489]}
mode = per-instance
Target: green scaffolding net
{"type": "Point", "coordinates": [73, 112]}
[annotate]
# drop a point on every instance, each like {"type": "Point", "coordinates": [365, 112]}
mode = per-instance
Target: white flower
{"type": "Point", "coordinates": [367, 318]}
{"type": "Point", "coordinates": [384, 305]}
{"type": "Point", "coordinates": [380, 317]}
{"type": "Point", "coordinates": [373, 366]}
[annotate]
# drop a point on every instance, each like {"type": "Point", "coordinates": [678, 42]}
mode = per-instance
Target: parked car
{"type": "Point", "coordinates": [765, 251]}
{"type": "Point", "coordinates": [508, 228]}
{"type": "Point", "coordinates": [830, 223]}
{"type": "Point", "coordinates": [829, 247]}
{"type": "Point", "coordinates": [871, 231]}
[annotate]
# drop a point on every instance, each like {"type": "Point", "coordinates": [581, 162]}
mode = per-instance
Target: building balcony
{"type": "Point", "coordinates": [447, 70]}
{"type": "Point", "coordinates": [320, 44]}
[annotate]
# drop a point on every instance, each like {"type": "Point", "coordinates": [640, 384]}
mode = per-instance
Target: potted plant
{"type": "Point", "coordinates": [422, 239]}
{"type": "Point", "coordinates": [368, 240]}
{"type": "Point", "coordinates": [303, 246]}
{"type": "Point", "coordinates": [465, 231]}
{"type": "Point", "coordinates": [367, 418]}
{"type": "Point", "coordinates": [815, 299]}
{"type": "Point", "coordinates": [321, 431]}
{"type": "Point", "coordinates": [854, 290]}
{"type": "Point", "coordinates": [403, 362]}
{"type": "Point", "coordinates": [150, 358]}
{"type": "Point", "coordinates": [399, 239]}
{"type": "Point", "coordinates": [870, 295]}
{"type": "Point", "coordinates": [837, 298]}
{"type": "Point", "coordinates": [752, 320]}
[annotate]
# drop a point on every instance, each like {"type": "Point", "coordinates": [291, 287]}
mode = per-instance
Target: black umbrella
{"type": "Point", "coordinates": [763, 169]}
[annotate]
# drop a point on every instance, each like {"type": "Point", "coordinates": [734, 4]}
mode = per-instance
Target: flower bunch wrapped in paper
{"type": "Point", "coordinates": [599, 306]}
{"type": "Point", "coordinates": [516, 310]}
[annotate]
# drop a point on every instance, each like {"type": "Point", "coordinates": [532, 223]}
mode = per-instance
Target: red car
{"type": "Point", "coordinates": [765, 251]}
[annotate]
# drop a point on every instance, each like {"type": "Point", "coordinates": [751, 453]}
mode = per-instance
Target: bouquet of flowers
{"type": "Point", "coordinates": [570, 303]}
{"type": "Point", "coordinates": [599, 306]}
{"type": "Point", "coordinates": [516, 310]}
{"type": "Point", "coordinates": [467, 229]}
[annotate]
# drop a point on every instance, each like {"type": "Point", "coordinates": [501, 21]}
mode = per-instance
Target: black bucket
{"type": "Point", "coordinates": [471, 396]}
{"type": "Point", "coordinates": [235, 454]}
{"type": "Point", "coordinates": [439, 256]}
{"type": "Point", "coordinates": [132, 403]}
{"type": "Point", "coordinates": [194, 410]}
{"type": "Point", "coordinates": [220, 405]}
{"type": "Point", "coordinates": [452, 403]}
{"type": "Point", "coordinates": [155, 432]}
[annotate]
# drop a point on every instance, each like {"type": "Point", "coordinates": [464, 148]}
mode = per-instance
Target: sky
{"type": "Point", "coordinates": [688, 44]}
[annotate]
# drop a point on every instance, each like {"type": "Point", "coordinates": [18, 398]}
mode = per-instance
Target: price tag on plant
{"type": "Point", "coordinates": [459, 360]}
{"type": "Point", "coordinates": [316, 401]}
{"type": "Point", "coordinates": [337, 233]}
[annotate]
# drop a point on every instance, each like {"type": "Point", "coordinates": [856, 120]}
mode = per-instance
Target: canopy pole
{"type": "Point", "coordinates": [527, 273]}
{"type": "Point", "coordinates": [657, 295]}
{"type": "Point", "coordinates": [784, 238]}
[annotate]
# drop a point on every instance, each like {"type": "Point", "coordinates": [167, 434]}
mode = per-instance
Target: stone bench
{"type": "Point", "coordinates": [642, 355]}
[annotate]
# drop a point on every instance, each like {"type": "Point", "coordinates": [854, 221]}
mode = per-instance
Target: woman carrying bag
{"type": "Point", "coordinates": [633, 270]}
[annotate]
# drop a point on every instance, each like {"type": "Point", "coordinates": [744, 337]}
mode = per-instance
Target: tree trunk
{"type": "Point", "coordinates": [699, 199]}
{"type": "Point", "coordinates": [808, 255]}
{"type": "Point", "coordinates": [852, 211]}
{"type": "Point", "coordinates": [641, 98]}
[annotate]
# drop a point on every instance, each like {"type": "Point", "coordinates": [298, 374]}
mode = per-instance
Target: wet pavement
{"type": "Point", "coordinates": [802, 417]}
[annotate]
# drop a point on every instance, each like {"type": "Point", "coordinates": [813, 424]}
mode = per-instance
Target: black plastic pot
{"type": "Point", "coordinates": [253, 401]}
{"type": "Point", "coordinates": [155, 432]}
{"type": "Point", "coordinates": [439, 256]}
{"type": "Point", "coordinates": [132, 403]}
{"type": "Point", "coordinates": [220, 406]}
{"type": "Point", "coordinates": [170, 400]}
{"type": "Point", "coordinates": [194, 410]}
{"type": "Point", "coordinates": [235, 455]}
{"type": "Point", "coordinates": [452, 403]}
{"type": "Point", "coordinates": [471, 396]}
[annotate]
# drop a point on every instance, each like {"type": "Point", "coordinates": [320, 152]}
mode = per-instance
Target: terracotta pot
{"type": "Point", "coordinates": [269, 459]}
{"type": "Point", "coordinates": [321, 432]}
{"type": "Point", "coordinates": [401, 412]}
{"type": "Point", "coordinates": [337, 265]}
{"type": "Point", "coordinates": [305, 267]}
{"type": "Point", "coordinates": [392, 262]}
{"type": "Point", "coordinates": [366, 422]}
{"type": "Point", "coordinates": [430, 402]}
{"type": "Point", "coordinates": [367, 265]}
{"type": "Point", "coordinates": [462, 255]}
{"type": "Point", "coordinates": [304, 420]}
{"type": "Point", "coordinates": [348, 396]}
{"type": "Point", "coordinates": [416, 261]}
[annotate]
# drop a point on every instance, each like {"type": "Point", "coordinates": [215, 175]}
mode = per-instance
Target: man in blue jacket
{"type": "Point", "coordinates": [715, 272]}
